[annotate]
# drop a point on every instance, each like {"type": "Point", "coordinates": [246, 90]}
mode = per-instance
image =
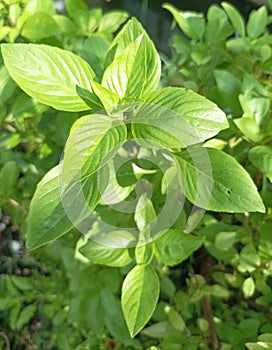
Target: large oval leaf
{"type": "Point", "coordinates": [105, 252]}
{"type": "Point", "coordinates": [176, 117]}
{"type": "Point", "coordinates": [218, 182]}
{"type": "Point", "coordinates": [49, 74]}
{"type": "Point", "coordinates": [53, 212]}
{"type": "Point", "coordinates": [140, 293]}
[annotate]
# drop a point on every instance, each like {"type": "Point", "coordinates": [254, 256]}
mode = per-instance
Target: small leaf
{"type": "Point", "coordinates": [25, 316]}
{"type": "Point", "coordinates": [248, 287]}
{"type": "Point", "coordinates": [216, 181]}
{"type": "Point", "coordinates": [109, 99]}
{"type": "Point", "coordinates": [112, 20]}
{"type": "Point", "coordinates": [140, 293]}
{"type": "Point", "coordinates": [174, 246]}
{"type": "Point", "coordinates": [225, 240]}
{"type": "Point", "coordinates": [39, 26]}
{"type": "Point", "coordinates": [144, 212]}
{"type": "Point", "coordinates": [235, 17]}
{"type": "Point", "coordinates": [191, 23]}
{"type": "Point", "coordinates": [261, 158]}
{"type": "Point", "coordinates": [257, 22]}
{"type": "Point", "coordinates": [102, 253]}
{"type": "Point", "coordinates": [49, 74]}
{"type": "Point", "coordinates": [79, 12]}
{"type": "Point", "coordinates": [249, 258]}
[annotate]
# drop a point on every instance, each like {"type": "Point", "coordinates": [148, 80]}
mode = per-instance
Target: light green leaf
{"type": "Point", "coordinates": [257, 22]}
{"type": "Point", "coordinates": [225, 240]}
{"type": "Point", "coordinates": [143, 253]}
{"type": "Point", "coordinates": [50, 207]}
{"type": "Point", "coordinates": [112, 20]}
{"type": "Point", "coordinates": [47, 219]}
{"type": "Point", "coordinates": [109, 99]}
{"type": "Point", "coordinates": [174, 246]}
{"type": "Point", "coordinates": [144, 212]}
{"type": "Point", "coordinates": [79, 12]}
{"type": "Point", "coordinates": [49, 74]}
{"type": "Point", "coordinates": [248, 287]}
{"type": "Point", "coordinates": [136, 71]}
{"type": "Point", "coordinates": [93, 141]}
{"type": "Point", "coordinates": [157, 330]}
{"type": "Point", "coordinates": [129, 33]}
{"type": "Point", "coordinates": [249, 128]}
{"type": "Point", "coordinates": [98, 253]}
{"type": "Point", "coordinates": [176, 117]}
{"type": "Point", "coordinates": [34, 6]}
{"type": "Point", "coordinates": [140, 293]}
{"type": "Point", "coordinates": [39, 26]}
{"type": "Point", "coordinates": [261, 158]}
{"type": "Point", "coordinates": [217, 182]}
{"type": "Point", "coordinates": [191, 23]}
{"type": "Point", "coordinates": [235, 17]}
{"type": "Point", "coordinates": [249, 258]}
{"type": "Point", "coordinates": [7, 85]}
{"type": "Point", "coordinates": [65, 25]}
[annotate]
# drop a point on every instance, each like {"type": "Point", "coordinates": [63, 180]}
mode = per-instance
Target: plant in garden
{"type": "Point", "coordinates": [130, 163]}
{"type": "Point", "coordinates": [236, 76]}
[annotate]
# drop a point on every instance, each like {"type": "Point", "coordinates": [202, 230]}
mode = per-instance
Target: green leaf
{"type": "Point", "coordinates": [140, 293]}
{"type": "Point", "coordinates": [216, 181]}
{"type": "Point", "coordinates": [94, 52]}
{"type": "Point", "coordinates": [51, 205]}
{"type": "Point", "coordinates": [257, 22]}
{"type": "Point", "coordinates": [105, 254]}
{"type": "Point", "coordinates": [79, 12]}
{"type": "Point", "coordinates": [108, 98]}
{"type": "Point", "coordinates": [45, 6]}
{"type": "Point", "coordinates": [174, 246]}
{"type": "Point", "coordinates": [235, 17]}
{"type": "Point", "coordinates": [225, 240]}
{"type": "Point", "coordinates": [39, 26]}
{"type": "Point", "coordinates": [248, 287]}
{"type": "Point", "coordinates": [249, 258]}
{"type": "Point", "coordinates": [136, 71]}
{"type": "Point", "coordinates": [25, 316]}
{"type": "Point", "coordinates": [249, 128]}
{"type": "Point", "coordinates": [191, 23]}
{"type": "Point", "coordinates": [144, 212]}
{"type": "Point", "coordinates": [143, 253]}
{"type": "Point", "coordinates": [129, 33]}
{"type": "Point", "coordinates": [112, 20]}
{"type": "Point", "coordinates": [261, 158]}
{"type": "Point", "coordinates": [49, 74]}
{"type": "Point", "coordinates": [176, 117]}
{"type": "Point", "coordinates": [7, 85]}
{"type": "Point", "coordinates": [93, 141]}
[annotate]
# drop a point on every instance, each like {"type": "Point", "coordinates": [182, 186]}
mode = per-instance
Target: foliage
{"type": "Point", "coordinates": [153, 178]}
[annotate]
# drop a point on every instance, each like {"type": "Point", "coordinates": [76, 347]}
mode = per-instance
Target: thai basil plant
{"type": "Point", "coordinates": [135, 178]}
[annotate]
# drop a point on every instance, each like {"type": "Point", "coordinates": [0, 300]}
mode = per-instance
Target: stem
{"type": "Point", "coordinates": [208, 315]}
{"type": "Point", "coordinates": [214, 343]}
{"type": "Point", "coordinates": [3, 335]}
